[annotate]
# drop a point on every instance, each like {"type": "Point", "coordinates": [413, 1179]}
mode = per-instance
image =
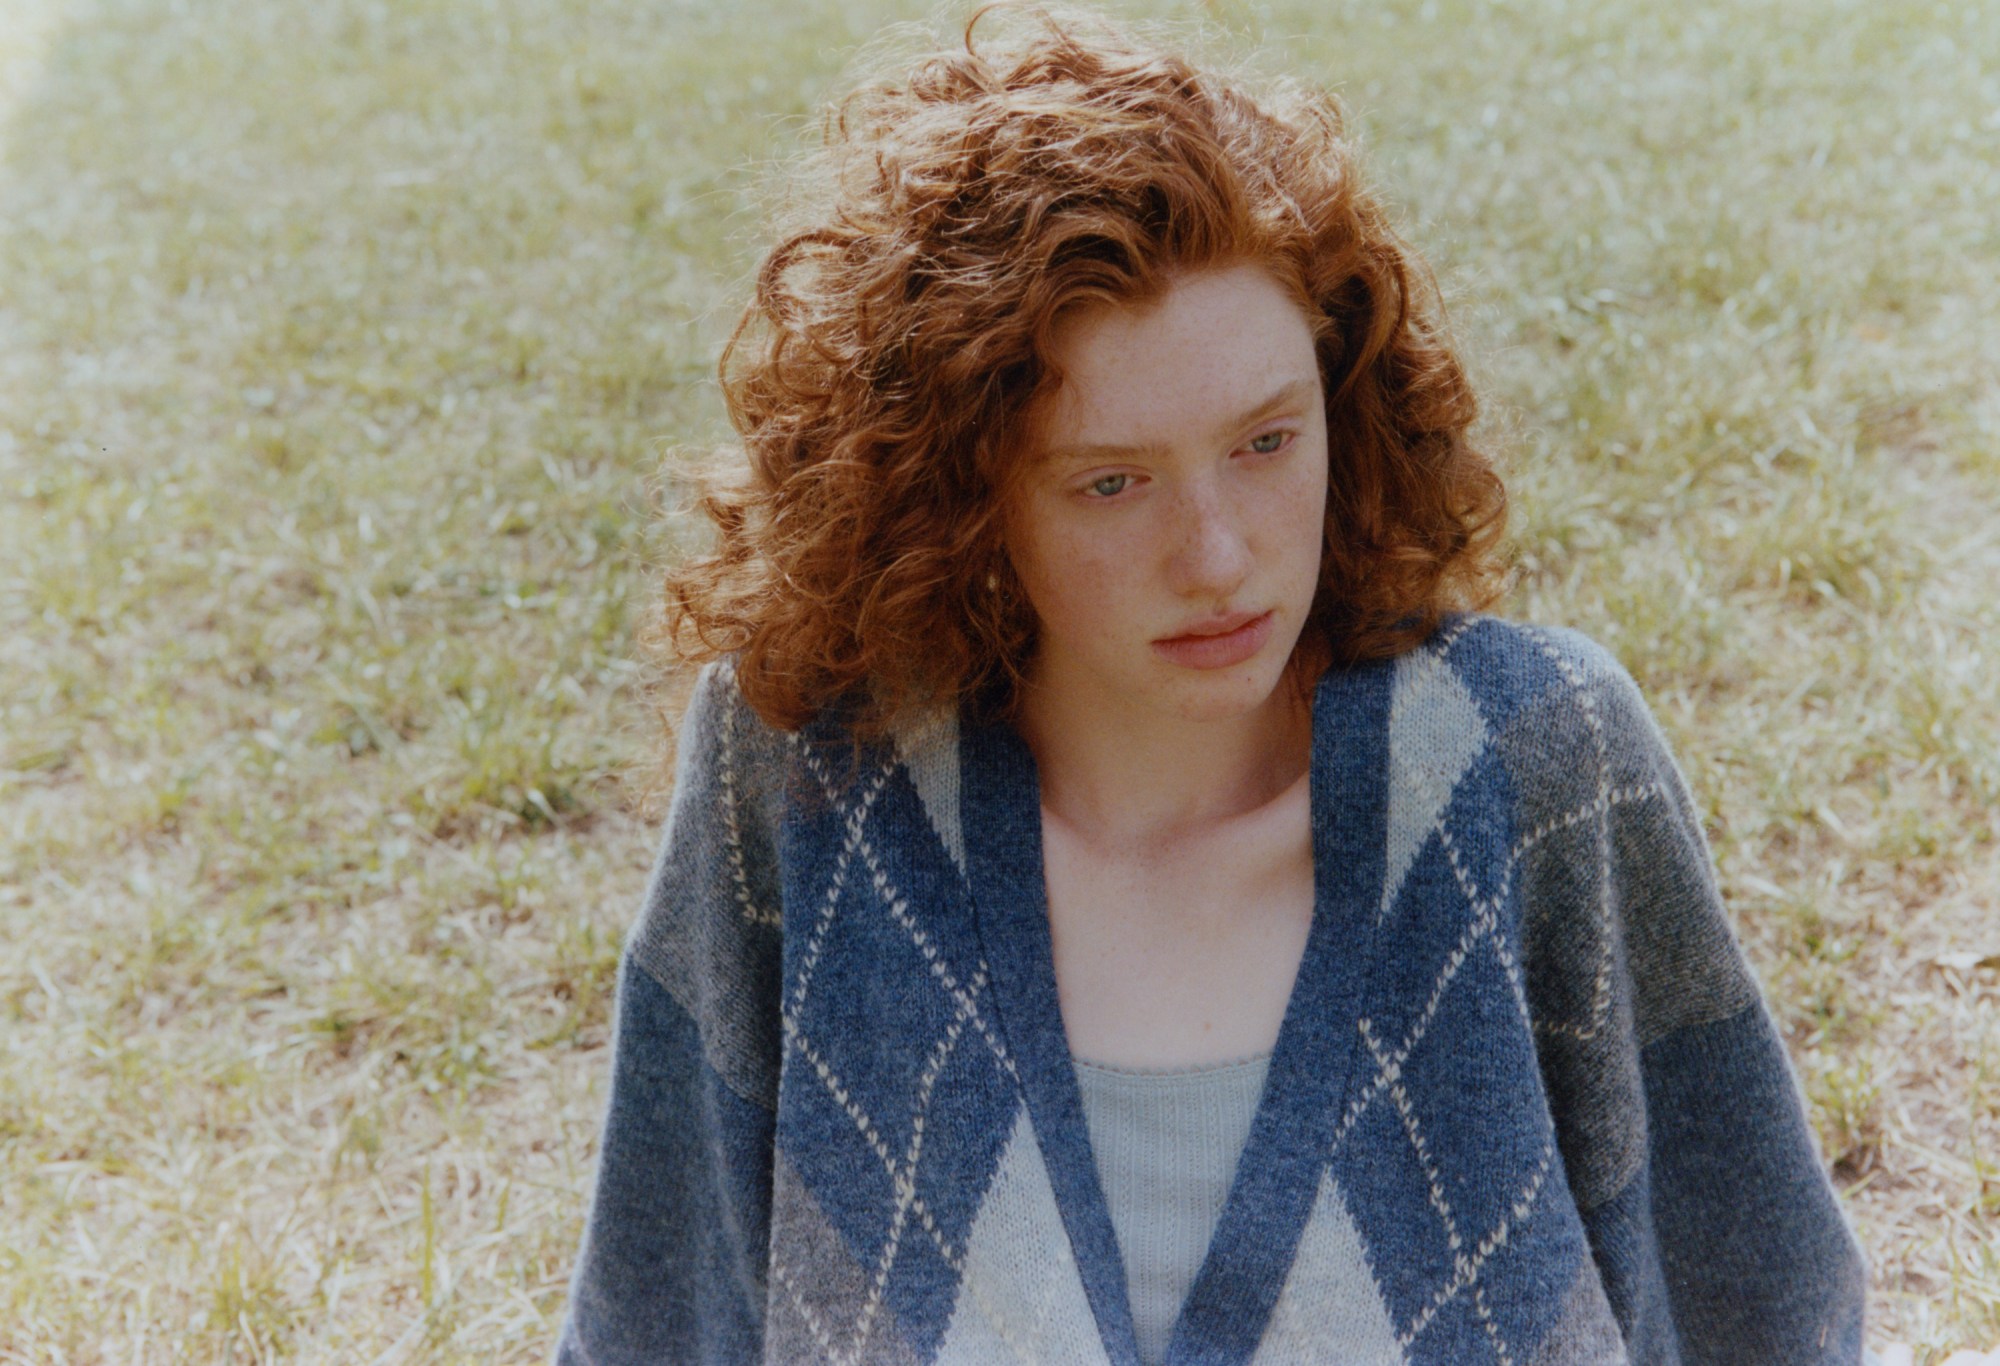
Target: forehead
{"type": "Point", "coordinates": [1214, 343]}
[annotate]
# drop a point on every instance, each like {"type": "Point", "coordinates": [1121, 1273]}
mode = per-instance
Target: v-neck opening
{"type": "Point", "coordinates": [1277, 1176]}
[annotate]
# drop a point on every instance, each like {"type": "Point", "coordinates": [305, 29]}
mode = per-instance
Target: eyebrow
{"type": "Point", "coordinates": [1294, 392]}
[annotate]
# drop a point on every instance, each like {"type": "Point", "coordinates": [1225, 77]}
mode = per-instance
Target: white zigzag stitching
{"type": "Point", "coordinates": [1407, 1113]}
{"type": "Point", "coordinates": [856, 818]}
{"type": "Point", "coordinates": [1429, 661]}
{"type": "Point", "coordinates": [902, 1175]}
{"type": "Point", "coordinates": [1433, 654]}
{"type": "Point", "coordinates": [873, 1137]}
{"type": "Point", "coordinates": [1490, 913]}
{"type": "Point", "coordinates": [1485, 922]}
{"type": "Point", "coordinates": [1480, 927]}
{"type": "Point", "coordinates": [1492, 1328]}
{"type": "Point", "coordinates": [904, 1181]}
{"type": "Point", "coordinates": [1600, 1002]}
{"type": "Point", "coordinates": [906, 1184]}
{"type": "Point", "coordinates": [899, 907]}
{"type": "Point", "coordinates": [1607, 798]}
{"type": "Point", "coordinates": [799, 1302]}
{"type": "Point", "coordinates": [1484, 925]}
{"type": "Point", "coordinates": [751, 912]}
{"type": "Point", "coordinates": [1468, 1268]}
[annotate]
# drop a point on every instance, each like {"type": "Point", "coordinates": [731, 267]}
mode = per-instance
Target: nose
{"type": "Point", "coordinates": [1210, 555]}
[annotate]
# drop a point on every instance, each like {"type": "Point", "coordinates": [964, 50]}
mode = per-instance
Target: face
{"type": "Point", "coordinates": [1168, 531]}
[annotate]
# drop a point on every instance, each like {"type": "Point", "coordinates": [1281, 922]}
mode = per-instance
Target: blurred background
{"type": "Point", "coordinates": [344, 348]}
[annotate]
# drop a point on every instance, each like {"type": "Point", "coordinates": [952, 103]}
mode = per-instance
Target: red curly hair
{"type": "Point", "coordinates": [885, 375]}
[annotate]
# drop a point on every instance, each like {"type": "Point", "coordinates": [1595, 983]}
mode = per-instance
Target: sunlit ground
{"type": "Point", "coordinates": [340, 345]}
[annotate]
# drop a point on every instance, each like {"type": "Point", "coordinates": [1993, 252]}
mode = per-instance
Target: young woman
{"type": "Point", "coordinates": [1120, 901]}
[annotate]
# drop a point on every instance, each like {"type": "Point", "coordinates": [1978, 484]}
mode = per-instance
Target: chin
{"type": "Point", "coordinates": [1234, 693]}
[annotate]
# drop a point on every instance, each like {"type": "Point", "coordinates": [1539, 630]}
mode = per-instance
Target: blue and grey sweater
{"type": "Point", "coordinates": [1526, 1104]}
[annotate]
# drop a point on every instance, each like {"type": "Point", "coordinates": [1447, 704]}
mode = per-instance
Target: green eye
{"type": "Point", "coordinates": [1268, 442]}
{"type": "Point", "coordinates": [1110, 486]}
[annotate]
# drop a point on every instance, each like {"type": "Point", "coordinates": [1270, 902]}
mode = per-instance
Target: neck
{"type": "Point", "coordinates": [1127, 775]}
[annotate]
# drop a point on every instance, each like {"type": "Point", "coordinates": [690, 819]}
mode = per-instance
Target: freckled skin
{"type": "Point", "coordinates": [1204, 526]}
{"type": "Point", "coordinates": [1176, 821]}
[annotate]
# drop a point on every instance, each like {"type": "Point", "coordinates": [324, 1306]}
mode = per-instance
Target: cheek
{"type": "Point", "coordinates": [1295, 514]}
{"type": "Point", "coordinates": [1075, 581]}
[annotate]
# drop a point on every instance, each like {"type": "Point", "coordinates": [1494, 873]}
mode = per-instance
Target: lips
{"type": "Point", "coordinates": [1219, 642]}
{"type": "Point", "coordinates": [1217, 626]}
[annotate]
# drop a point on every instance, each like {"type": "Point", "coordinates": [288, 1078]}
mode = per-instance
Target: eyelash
{"type": "Point", "coordinates": [1090, 491]}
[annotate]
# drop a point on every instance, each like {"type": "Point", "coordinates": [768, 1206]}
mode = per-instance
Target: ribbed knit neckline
{"type": "Point", "coordinates": [1320, 1040]}
{"type": "Point", "coordinates": [1172, 1073]}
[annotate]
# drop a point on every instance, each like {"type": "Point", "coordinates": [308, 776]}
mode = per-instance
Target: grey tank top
{"type": "Point", "coordinates": [1166, 1143]}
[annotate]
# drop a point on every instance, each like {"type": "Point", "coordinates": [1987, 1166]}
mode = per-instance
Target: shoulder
{"type": "Point", "coordinates": [1509, 665]}
{"type": "Point", "coordinates": [724, 749]}
{"type": "Point", "coordinates": [717, 859]}
{"type": "Point", "coordinates": [1552, 701]}
{"type": "Point", "coordinates": [718, 719]}
{"type": "Point", "coordinates": [1607, 852]}
{"type": "Point", "coordinates": [1540, 717]}
{"type": "Point", "coordinates": [1536, 728]}
{"type": "Point", "coordinates": [707, 937]}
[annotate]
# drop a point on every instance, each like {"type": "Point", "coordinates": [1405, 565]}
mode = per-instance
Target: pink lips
{"type": "Point", "coordinates": [1223, 642]}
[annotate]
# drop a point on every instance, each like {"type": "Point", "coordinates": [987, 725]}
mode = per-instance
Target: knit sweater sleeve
{"type": "Point", "coordinates": [1683, 1133]}
{"type": "Point", "coordinates": [672, 1262]}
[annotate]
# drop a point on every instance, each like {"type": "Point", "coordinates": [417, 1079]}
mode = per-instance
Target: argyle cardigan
{"type": "Point", "coordinates": [1526, 1104]}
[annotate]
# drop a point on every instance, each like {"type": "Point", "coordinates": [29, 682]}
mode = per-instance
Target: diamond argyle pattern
{"type": "Point", "coordinates": [1526, 1105]}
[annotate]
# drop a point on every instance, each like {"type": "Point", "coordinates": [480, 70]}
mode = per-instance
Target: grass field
{"type": "Point", "coordinates": [342, 346]}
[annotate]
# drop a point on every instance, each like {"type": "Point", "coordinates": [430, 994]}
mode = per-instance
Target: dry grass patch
{"type": "Point", "coordinates": [339, 348]}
